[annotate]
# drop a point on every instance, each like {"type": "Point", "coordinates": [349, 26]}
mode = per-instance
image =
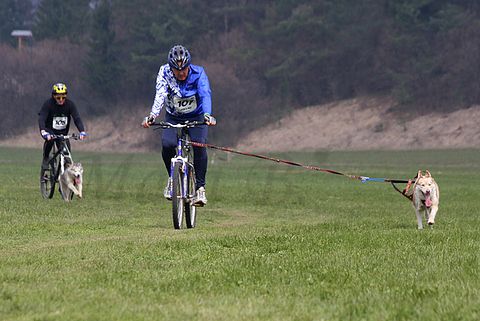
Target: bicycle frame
{"type": "Point", "coordinates": [56, 164]}
{"type": "Point", "coordinates": [182, 148]}
{"type": "Point", "coordinates": [182, 173]}
{"type": "Point", "coordinates": [63, 152]}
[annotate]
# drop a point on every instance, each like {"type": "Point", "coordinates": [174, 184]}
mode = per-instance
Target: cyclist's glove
{"type": "Point", "coordinates": [46, 135]}
{"type": "Point", "coordinates": [147, 121]}
{"type": "Point", "coordinates": [210, 120]}
{"type": "Point", "coordinates": [83, 135]}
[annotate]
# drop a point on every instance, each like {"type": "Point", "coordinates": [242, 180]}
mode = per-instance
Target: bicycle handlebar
{"type": "Point", "coordinates": [63, 137]}
{"type": "Point", "coordinates": [187, 124]}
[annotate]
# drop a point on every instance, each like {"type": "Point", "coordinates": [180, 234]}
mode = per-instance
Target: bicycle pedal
{"type": "Point", "coordinates": [199, 204]}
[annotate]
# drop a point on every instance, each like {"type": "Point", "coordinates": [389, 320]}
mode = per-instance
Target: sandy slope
{"type": "Point", "coordinates": [360, 124]}
{"type": "Point", "coordinates": [354, 124]}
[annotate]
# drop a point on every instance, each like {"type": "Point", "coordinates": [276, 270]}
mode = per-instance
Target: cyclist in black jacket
{"type": "Point", "coordinates": [54, 119]}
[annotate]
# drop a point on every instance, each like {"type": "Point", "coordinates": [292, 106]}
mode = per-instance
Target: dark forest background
{"type": "Point", "coordinates": [263, 58]}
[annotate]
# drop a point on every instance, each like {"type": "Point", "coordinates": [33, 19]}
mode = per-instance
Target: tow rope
{"type": "Point", "coordinates": [363, 179]}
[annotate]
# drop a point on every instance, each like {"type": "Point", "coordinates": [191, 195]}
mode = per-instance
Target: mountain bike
{"type": "Point", "coordinates": [59, 155]}
{"type": "Point", "coordinates": [183, 177]}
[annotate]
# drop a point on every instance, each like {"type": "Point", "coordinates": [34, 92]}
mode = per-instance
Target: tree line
{"type": "Point", "coordinates": [263, 58]}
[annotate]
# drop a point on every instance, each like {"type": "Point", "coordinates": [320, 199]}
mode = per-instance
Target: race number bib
{"type": "Point", "coordinates": [184, 105]}
{"type": "Point", "coordinates": [60, 122]}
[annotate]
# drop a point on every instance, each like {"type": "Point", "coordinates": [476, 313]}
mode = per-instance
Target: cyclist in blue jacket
{"type": "Point", "coordinates": [183, 89]}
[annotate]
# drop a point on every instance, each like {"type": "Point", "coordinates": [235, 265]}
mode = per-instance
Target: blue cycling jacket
{"type": "Point", "coordinates": [182, 99]}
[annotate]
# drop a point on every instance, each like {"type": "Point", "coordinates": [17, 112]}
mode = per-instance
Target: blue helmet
{"type": "Point", "coordinates": [179, 57]}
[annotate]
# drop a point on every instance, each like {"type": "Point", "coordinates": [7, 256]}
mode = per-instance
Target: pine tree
{"type": "Point", "coordinates": [102, 66]}
{"type": "Point", "coordinates": [57, 19]}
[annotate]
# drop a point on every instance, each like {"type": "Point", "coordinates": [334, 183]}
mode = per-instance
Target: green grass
{"type": "Point", "coordinates": [274, 243]}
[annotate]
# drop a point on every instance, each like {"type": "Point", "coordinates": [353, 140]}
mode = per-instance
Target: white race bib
{"type": "Point", "coordinates": [60, 122]}
{"type": "Point", "coordinates": [184, 105]}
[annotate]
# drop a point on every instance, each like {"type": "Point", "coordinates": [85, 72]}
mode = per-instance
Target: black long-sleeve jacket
{"type": "Point", "coordinates": [56, 118]}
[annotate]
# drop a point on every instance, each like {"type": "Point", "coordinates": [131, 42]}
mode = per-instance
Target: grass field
{"type": "Point", "coordinates": [274, 243]}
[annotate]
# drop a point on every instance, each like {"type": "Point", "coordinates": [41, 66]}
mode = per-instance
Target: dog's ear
{"type": "Point", "coordinates": [419, 174]}
{"type": "Point", "coordinates": [427, 173]}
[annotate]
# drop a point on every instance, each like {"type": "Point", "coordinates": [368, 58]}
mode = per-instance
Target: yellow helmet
{"type": "Point", "coordinates": [59, 89]}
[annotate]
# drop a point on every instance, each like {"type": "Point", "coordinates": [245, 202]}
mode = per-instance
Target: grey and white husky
{"type": "Point", "coordinates": [426, 197]}
{"type": "Point", "coordinates": [71, 181]}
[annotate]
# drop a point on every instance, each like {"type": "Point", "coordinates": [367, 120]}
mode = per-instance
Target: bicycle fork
{"type": "Point", "coordinates": [183, 172]}
{"type": "Point", "coordinates": [63, 156]}
{"type": "Point", "coordinates": [62, 163]}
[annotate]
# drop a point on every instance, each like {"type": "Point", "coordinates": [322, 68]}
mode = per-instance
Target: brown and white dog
{"type": "Point", "coordinates": [71, 181]}
{"type": "Point", "coordinates": [425, 198]}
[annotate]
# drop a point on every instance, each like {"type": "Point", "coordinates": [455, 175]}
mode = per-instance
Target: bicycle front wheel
{"type": "Point", "coordinates": [47, 180]}
{"type": "Point", "coordinates": [178, 201]}
{"type": "Point", "coordinates": [190, 209]}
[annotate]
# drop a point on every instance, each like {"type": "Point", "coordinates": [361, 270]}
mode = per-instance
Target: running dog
{"type": "Point", "coordinates": [425, 198]}
{"type": "Point", "coordinates": [71, 181]}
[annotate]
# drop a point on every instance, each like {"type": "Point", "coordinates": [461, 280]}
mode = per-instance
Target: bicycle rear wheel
{"type": "Point", "coordinates": [178, 202]}
{"type": "Point", "coordinates": [48, 179]}
{"type": "Point", "coordinates": [190, 210]}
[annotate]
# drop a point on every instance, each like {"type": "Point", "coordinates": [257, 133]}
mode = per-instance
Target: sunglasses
{"type": "Point", "coordinates": [60, 97]}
